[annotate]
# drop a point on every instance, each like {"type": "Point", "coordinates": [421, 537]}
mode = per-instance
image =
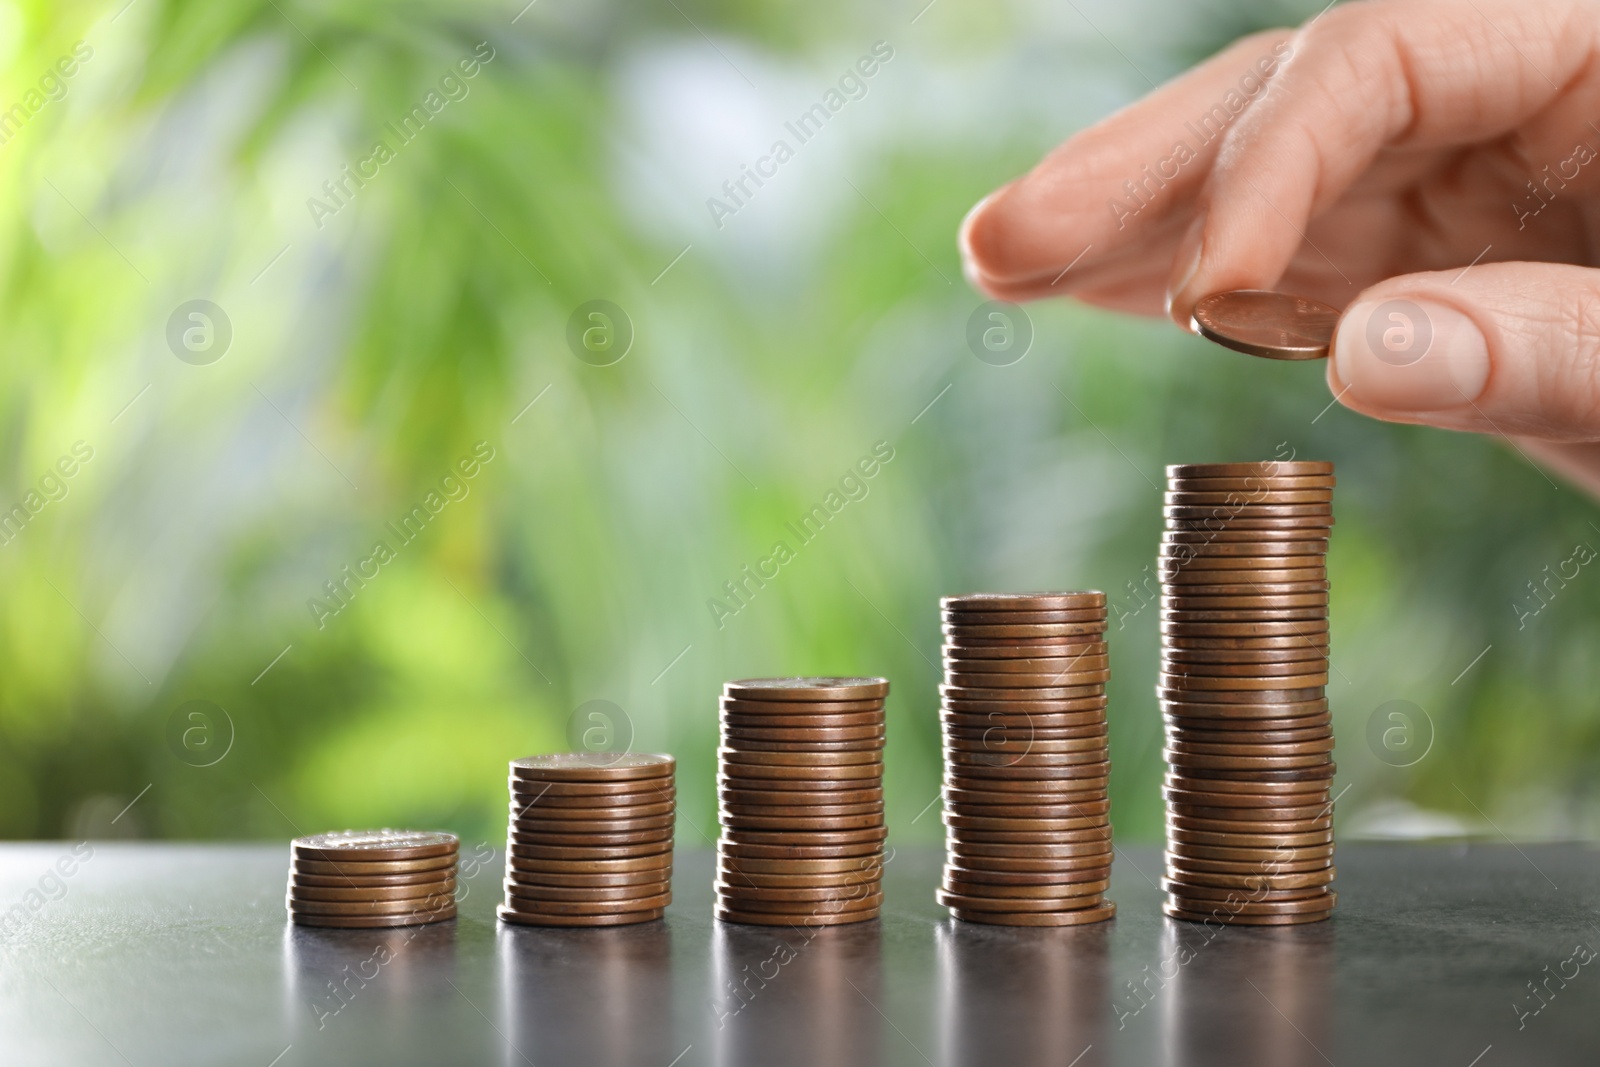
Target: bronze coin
{"type": "Point", "coordinates": [1311, 824]}
{"type": "Point", "coordinates": [518, 894]}
{"type": "Point", "coordinates": [1197, 683]}
{"type": "Point", "coordinates": [1180, 547]}
{"type": "Point", "coordinates": [519, 837]}
{"type": "Point", "coordinates": [559, 817]}
{"type": "Point", "coordinates": [1296, 793]}
{"type": "Point", "coordinates": [1052, 682]}
{"type": "Point", "coordinates": [1060, 902]}
{"type": "Point", "coordinates": [966, 635]}
{"type": "Point", "coordinates": [953, 694]}
{"type": "Point", "coordinates": [1080, 810]}
{"type": "Point", "coordinates": [731, 706]}
{"type": "Point", "coordinates": [985, 802]}
{"type": "Point", "coordinates": [844, 837]}
{"type": "Point", "coordinates": [850, 899]}
{"type": "Point", "coordinates": [747, 895]}
{"type": "Point", "coordinates": [1267, 324]}
{"type": "Point", "coordinates": [1193, 894]}
{"type": "Point", "coordinates": [983, 823]}
{"type": "Point", "coordinates": [1049, 647]}
{"type": "Point", "coordinates": [1179, 562]}
{"type": "Point", "coordinates": [1179, 515]}
{"type": "Point", "coordinates": [1019, 618]}
{"type": "Point", "coordinates": [582, 853]}
{"type": "Point", "coordinates": [596, 767]}
{"type": "Point", "coordinates": [1243, 744]}
{"type": "Point", "coordinates": [1224, 840]}
{"type": "Point", "coordinates": [1304, 775]}
{"type": "Point", "coordinates": [1057, 868]}
{"type": "Point", "coordinates": [1044, 713]}
{"type": "Point", "coordinates": [375, 845]}
{"type": "Point", "coordinates": [1222, 613]}
{"type": "Point", "coordinates": [589, 792]}
{"type": "Point", "coordinates": [1182, 657]}
{"type": "Point", "coordinates": [1315, 905]}
{"type": "Point", "coordinates": [797, 798]}
{"type": "Point", "coordinates": [405, 906]}
{"type": "Point", "coordinates": [743, 744]}
{"type": "Point", "coordinates": [1206, 498]}
{"type": "Point", "coordinates": [1258, 859]}
{"type": "Point", "coordinates": [1252, 724]}
{"type": "Point", "coordinates": [807, 689]}
{"type": "Point", "coordinates": [1264, 468]}
{"type": "Point", "coordinates": [1072, 786]}
{"type": "Point", "coordinates": [420, 918]}
{"type": "Point", "coordinates": [865, 865]}
{"type": "Point", "coordinates": [980, 764]}
{"type": "Point", "coordinates": [580, 881]}
{"type": "Point", "coordinates": [521, 798]}
{"type": "Point", "coordinates": [756, 918]}
{"type": "Point", "coordinates": [997, 742]}
{"type": "Point", "coordinates": [1241, 595]}
{"type": "Point", "coordinates": [732, 755]}
{"type": "Point", "coordinates": [1196, 798]}
{"type": "Point", "coordinates": [790, 733]}
{"type": "Point", "coordinates": [1214, 715]}
{"type": "Point", "coordinates": [1248, 815]}
{"type": "Point", "coordinates": [1189, 761]}
{"type": "Point", "coordinates": [366, 868]}
{"type": "Point", "coordinates": [525, 906]}
{"type": "Point", "coordinates": [1072, 917]}
{"type": "Point", "coordinates": [1048, 666]}
{"type": "Point", "coordinates": [1081, 778]}
{"type": "Point", "coordinates": [1187, 583]}
{"type": "Point", "coordinates": [370, 881]}
{"type": "Point", "coordinates": [844, 720]}
{"type": "Point", "coordinates": [1015, 894]}
{"type": "Point", "coordinates": [1212, 535]}
{"type": "Point", "coordinates": [625, 918]}
{"type": "Point", "coordinates": [1174, 912]}
{"type": "Point", "coordinates": [731, 778]}
{"type": "Point", "coordinates": [1296, 526]}
{"type": "Point", "coordinates": [1240, 696]}
{"type": "Point", "coordinates": [794, 823]}
{"type": "Point", "coordinates": [808, 811]}
{"type": "Point", "coordinates": [1250, 481]}
{"type": "Point", "coordinates": [422, 890]}
{"type": "Point", "coordinates": [978, 854]}
{"type": "Point", "coordinates": [855, 772]}
{"type": "Point", "coordinates": [787, 851]}
{"type": "Point", "coordinates": [1297, 668]}
{"type": "Point", "coordinates": [1060, 837]}
{"type": "Point", "coordinates": [1297, 630]}
{"type": "Point", "coordinates": [833, 883]}
{"type": "Point", "coordinates": [1024, 731]}
{"type": "Point", "coordinates": [540, 823]}
{"type": "Point", "coordinates": [1085, 600]}
{"type": "Point", "coordinates": [630, 865]}
{"type": "Point", "coordinates": [1180, 730]}
{"type": "Point", "coordinates": [1186, 863]}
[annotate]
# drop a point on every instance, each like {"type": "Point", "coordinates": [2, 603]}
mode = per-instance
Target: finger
{"type": "Point", "coordinates": [1114, 182]}
{"type": "Point", "coordinates": [1505, 348]}
{"type": "Point", "coordinates": [1366, 76]}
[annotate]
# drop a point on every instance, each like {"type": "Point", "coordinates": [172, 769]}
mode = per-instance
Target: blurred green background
{"type": "Point", "coordinates": [382, 337]}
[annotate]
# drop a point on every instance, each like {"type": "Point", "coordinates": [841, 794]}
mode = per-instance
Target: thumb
{"type": "Point", "coordinates": [1504, 348]}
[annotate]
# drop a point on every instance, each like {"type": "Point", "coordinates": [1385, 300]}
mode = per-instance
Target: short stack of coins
{"type": "Point", "coordinates": [590, 839]}
{"type": "Point", "coordinates": [800, 800]}
{"type": "Point", "coordinates": [1244, 662]}
{"type": "Point", "coordinates": [372, 878]}
{"type": "Point", "coordinates": [1023, 716]}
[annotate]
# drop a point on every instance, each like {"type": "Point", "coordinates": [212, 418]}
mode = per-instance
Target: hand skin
{"type": "Point", "coordinates": [1441, 153]}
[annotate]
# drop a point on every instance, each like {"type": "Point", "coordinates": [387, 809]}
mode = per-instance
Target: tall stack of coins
{"type": "Point", "coordinates": [1244, 661]}
{"type": "Point", "coordinates": [590, 840]}
{"type": "Point", "coordinates": [372, 878]}
{"type": "Point", "coordinates": [800, 792]}
{"type": "Point", "coordinates": [1027, 823]}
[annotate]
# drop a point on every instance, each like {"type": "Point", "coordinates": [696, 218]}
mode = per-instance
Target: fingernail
{"type": "Point", "coordinates": [1410, 355]}
{"type": "Point", "coordinates": [1186, 263]}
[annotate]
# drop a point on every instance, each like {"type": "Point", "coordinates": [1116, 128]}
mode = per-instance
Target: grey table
{"type": "Point", "coordinates": [180, 954]}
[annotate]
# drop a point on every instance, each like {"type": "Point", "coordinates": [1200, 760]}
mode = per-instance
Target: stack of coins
{"type": "Point", "coordinates": [1244, 661]}
{"type": "Point", "coordinates": [590, 840]}
{"type": "Point", "coordinates": [800, 799]}
{"type": "Point", "coordinates": [372, 878]}
{"type": "Point", "coordinates": [1027, 823]}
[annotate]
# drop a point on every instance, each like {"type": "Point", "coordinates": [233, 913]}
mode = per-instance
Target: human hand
{"type": "Point", "coordinates": [1436, 161]}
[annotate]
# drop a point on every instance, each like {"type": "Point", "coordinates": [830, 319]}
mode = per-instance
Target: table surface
{"type": "Point", "coordinates": [1457, 955]}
